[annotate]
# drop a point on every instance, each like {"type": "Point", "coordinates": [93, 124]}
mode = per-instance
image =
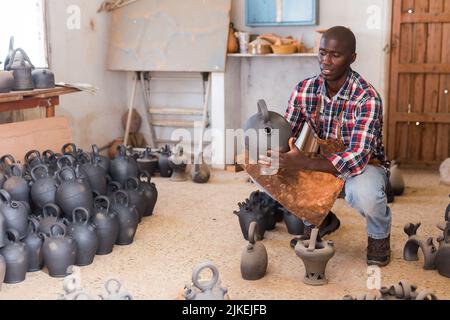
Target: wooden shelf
{"type": "Point", "coordinates": [271, 55]}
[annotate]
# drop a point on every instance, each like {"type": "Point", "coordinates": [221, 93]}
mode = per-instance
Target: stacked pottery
{"type": "Point", "coordinates": [150, 192]}
{"type": "Point", "coordinates": [128, 218]}
{"type": "Point", "coordinates": [59, 252]}
{"type": "Point", "coordinates": [106, 225]}
{"type": "Point", "coordinates": [34, 242]}
{"type": "Point", "coordinates": [16, 258]}
{"type": "Point", "coordinates": [84, 235]}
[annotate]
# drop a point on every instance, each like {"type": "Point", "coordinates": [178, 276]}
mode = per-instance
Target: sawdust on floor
{"type": "Point", "coordinates": [194, 223]}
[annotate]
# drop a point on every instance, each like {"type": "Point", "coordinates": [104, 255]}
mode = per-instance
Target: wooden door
{"type": "Point", "coordinates": [419, 111]}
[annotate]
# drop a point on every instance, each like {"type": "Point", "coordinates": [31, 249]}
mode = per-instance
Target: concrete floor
{"type": "Point", "coordinates": [194, 222]}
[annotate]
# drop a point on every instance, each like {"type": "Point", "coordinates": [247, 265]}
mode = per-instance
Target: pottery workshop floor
{"type": "Point", "coordinates": [195, 222]}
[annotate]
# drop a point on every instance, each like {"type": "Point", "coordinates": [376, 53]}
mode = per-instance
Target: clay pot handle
{"type": "Point", "coordinates": [13, 235]}
{"type": "Point", "coordinates": [57, 226]}
{"type": "Point", "coordinates": [13, 55]}
{"type": "Point", "coordinates": [5, 196]}
{"type": "Point", "coordinates": [196, 274]}
{"type": "Point", "coordinates": [16, 170]}
{"type": "Point", "coordinates": [84, 158]}
{"type": "Point", "coordinates": [263, 111]}
{"type": "Point", "coordinates": [84, 211]}
{"type": "Point", "coordinates": [67, 145]}
{"type": "Point", "coordinates": [64, 161]}
{"type": "Point", "coordinates": [46, 210]}
{"type": "Point", "coordinates": [135, 181]}
{"type": "Point", "coordinates": [39, 166]}
{"type": "Point", "coordinates": [121, 197]}
{"type": "Point", "coordinates": [95, 150]}
{"type": "Point", "coordinates": [28, 155]}
{"type": "Point", "coordinates": [252, 230]}
{"type": "Point", "coordinates": [114, 186]}
{"type": "Point", "coordinates": [33, 225]}
{"type": "Point", "coordinates": [47, 154]}
{"type": "Point", "coordinates": [8, 157]}
{"type": "Point", "coordinates": [98, 201]}
{"type": "Point", "coordinates": [112, 286]}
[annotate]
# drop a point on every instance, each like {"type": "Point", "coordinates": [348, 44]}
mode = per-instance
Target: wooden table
{"type": "Point", "coordinates": [43, 98]}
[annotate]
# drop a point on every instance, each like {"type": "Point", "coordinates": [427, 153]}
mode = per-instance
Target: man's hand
{"type": "Point", "coordinates": [291, 160]}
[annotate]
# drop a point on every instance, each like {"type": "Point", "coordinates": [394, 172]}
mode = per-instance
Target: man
{"type": "Point", "coordinates": [346, 115]}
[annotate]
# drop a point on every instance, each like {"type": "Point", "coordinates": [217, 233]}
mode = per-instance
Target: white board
{"type": "Point", "coordinates": [170, 35]}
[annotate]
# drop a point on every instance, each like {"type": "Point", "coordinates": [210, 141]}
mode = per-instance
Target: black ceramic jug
{"type": "Point", "coordinates": [84, 235]}
{"type": "Point", "coordinates": [106, 225]}
{"type": "Point", "coordinates": [72, 192]}
{"type": "Point", "coordinates": [16, 185]}
{"type": "Point", "coordinates": [136, 196]}
{"type": "Point", "coordinates": [94, 173]}
{"type": "Point", "coordinates": [103, 161]}
{"type": "Point", "coordinates": [51, 215]}
{"type": "Point", "coordinates": [59, 252]}
{"type": "Point", "coordinates": [163, 162]}
{"type": "Point", "coordinates": [15, 214]}
{"type": "Point", "coordinates": [16, 258]}
{"type": "Point", "coordinates": [43, 189]}
{"type": "Point", "coordinates": [34, 242]}
{"type": "Point", "coordinates": [123, 166]}
{"type": "Point", "coordinates": [128, 218]}
{"type": "Point", "coordinates": [150, 192]}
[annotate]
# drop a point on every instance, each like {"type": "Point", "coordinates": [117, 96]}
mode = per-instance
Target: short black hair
{"type": "Point", "coordinates": [344, 35]}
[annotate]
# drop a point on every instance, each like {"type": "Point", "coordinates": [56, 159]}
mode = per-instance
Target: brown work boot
{"type": "Point", "coordinates": [378, 251]}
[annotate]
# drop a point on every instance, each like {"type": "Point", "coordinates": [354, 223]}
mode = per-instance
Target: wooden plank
{"type": "Point", "coordinates": [404, 6]}
{"type": "Point", "coordinates": [397, 6]}
{"type": "Point", "coordinates": [29, 103]}
{"type": "Point", "coordinates": [48, 133]}
{"type": "Point", "coordinates": [424, 68]}
{"type": "Point", "coordinates": [406, 44]}
{"type": "Point", "coordinates": [401, 137]}
{"type": "Point", "coordinates": [431, 102]}
{"type": "Point", "coordinates": [173, 123]}
{"type": "Point", "coordinates": [422, 117]}
{"type": "Point", "coordinates": [425, 17]}
{"type": "Point", "coordinates": [415, 142]}
{"type": "Point", "coordinates": [177, 111]}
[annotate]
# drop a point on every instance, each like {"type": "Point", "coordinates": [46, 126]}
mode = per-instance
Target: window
{"type": "Point", "coordinates": [281, 12]}
{"type": "Point", "coordinates": [24, 20]}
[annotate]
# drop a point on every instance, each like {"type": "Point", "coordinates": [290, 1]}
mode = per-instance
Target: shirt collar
{"type": "Point", "coordinates": [344, 92]}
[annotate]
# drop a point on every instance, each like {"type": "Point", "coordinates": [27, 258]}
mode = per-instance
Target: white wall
{"type": "Point", "coordinates": [368, 19]}
{"type": "Point", "coordinates": [80, 56]}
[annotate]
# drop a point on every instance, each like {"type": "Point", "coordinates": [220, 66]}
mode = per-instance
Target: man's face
{"type": "Point", "coordinates": [334, 59]}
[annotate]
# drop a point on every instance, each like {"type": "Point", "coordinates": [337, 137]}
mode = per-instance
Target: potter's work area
{"type": "Point", "coordinates": [188, 228]}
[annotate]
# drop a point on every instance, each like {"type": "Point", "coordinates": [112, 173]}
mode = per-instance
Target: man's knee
{"type": "Point", "coordinates": [367, 190]}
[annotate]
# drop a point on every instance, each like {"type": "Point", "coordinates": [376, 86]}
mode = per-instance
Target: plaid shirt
{"type": "Point", "coordinates": [361, 125]}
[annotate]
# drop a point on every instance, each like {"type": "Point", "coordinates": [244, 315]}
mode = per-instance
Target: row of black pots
{"type": "Point", "coordinates": [267, 212]}
{"type": "Point", "coordinates": [58, 243]}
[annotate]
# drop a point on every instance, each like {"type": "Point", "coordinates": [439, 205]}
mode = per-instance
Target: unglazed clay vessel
{"type": "Point", "coordinates": [254, 258]}
{"type": "Point", "coordinates": [315, 256]}
{"type": "Point", "coordinates": [201, 290]}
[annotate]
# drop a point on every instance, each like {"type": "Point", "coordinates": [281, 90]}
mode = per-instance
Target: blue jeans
{"type": "Point", "coordinates": [367, 194]}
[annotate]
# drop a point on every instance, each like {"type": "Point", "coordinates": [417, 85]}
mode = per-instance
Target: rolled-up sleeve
{"type": "Point", "coordinates": [355, 158]}
{"type": "Point", "coordinates": [295, 113]}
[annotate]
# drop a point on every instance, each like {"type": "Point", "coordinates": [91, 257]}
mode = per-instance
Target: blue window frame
{"type": "Point", "coordinates": [280, 12]}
